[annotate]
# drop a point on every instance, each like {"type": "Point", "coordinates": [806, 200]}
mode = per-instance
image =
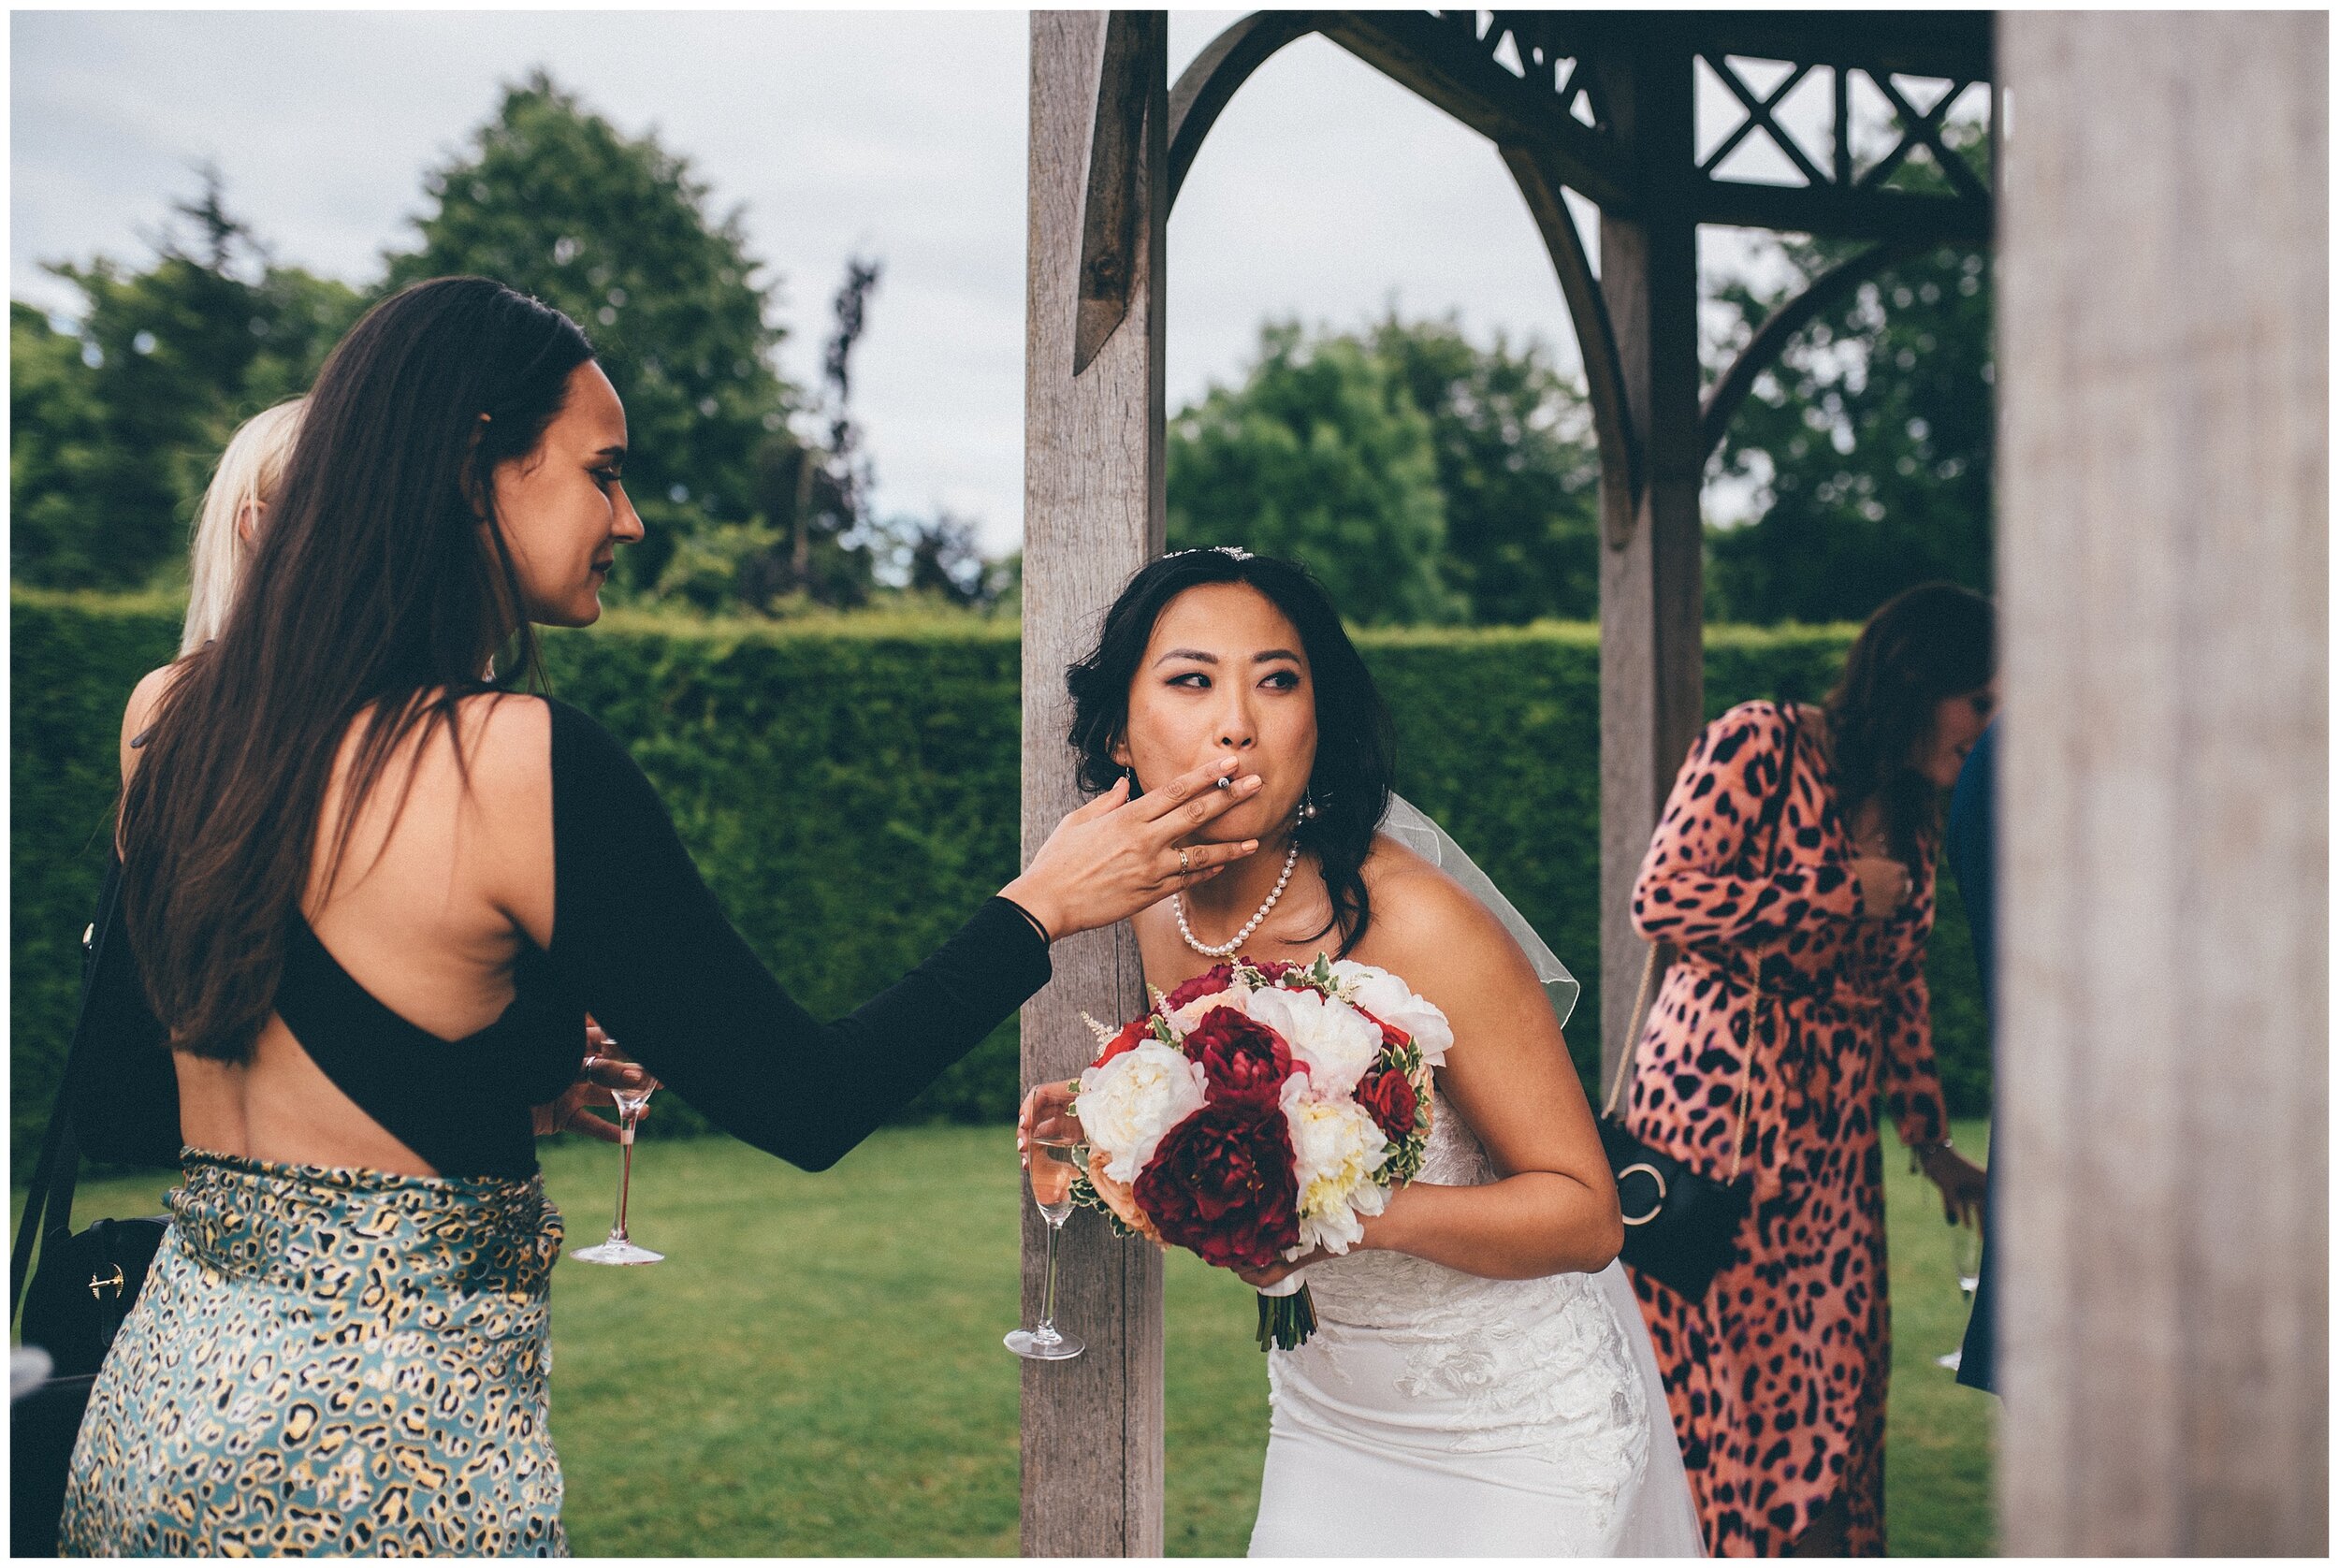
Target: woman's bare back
{"type": "Point", "coordinates": [428, 912]}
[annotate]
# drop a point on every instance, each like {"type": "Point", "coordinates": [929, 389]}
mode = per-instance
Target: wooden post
{"type": "Point", "coordinates": [2164, 562]}
{"type": "Point", "coordinates": [1652, 569]}
{"type": "Point", "coordinates": [1093, 513]}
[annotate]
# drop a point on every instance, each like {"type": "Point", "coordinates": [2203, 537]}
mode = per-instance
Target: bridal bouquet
{"type": "Point", "coordinates": [1258, 1111]}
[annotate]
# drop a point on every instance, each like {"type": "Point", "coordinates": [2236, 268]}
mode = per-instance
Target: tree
{"type": "Point", "coordinates": [119, 421]}
{"type": "Point", "coordinates": [1320, 456]}
{"type": "Point", "coordinates": [808, 535]}
{"type": "Point", "coordinates": [1869, 443]}
{"type": "Point", "coordinates": [550, 199]}
{"type": "Point", "coordinates": [1517, 466]}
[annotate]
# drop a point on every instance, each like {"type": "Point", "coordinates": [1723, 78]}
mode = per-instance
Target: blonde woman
{"type": "Point", "coordinates": [234, 504]}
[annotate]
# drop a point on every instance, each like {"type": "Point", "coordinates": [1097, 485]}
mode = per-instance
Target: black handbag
{"type": "Point", "coordinates": [86, 1284]}
{"type": "Point", "coordinates": [1680, 1226]}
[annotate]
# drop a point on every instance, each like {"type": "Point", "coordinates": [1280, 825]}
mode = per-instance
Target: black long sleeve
{"type": "Point", "coordinates": [641, 939]}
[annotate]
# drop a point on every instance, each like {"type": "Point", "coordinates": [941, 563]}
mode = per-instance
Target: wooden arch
{"type": "Point", "coordinates": [2164, 506]}
{"type": "Point", "coordinates": [1599, 103]}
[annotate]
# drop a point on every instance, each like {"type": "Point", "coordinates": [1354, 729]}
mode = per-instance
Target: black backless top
{"type": "Point", "coordinates": [639, 942]}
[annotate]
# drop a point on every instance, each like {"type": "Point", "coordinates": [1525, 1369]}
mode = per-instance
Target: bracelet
{"type": "Point", "coordinates": [1029, 918]}
{"type": "Point", "coordinates": [1919, 1153]}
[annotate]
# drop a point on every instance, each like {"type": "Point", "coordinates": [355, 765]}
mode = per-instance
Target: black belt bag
{"type": "Point", "coordinates": [1680, 1226]}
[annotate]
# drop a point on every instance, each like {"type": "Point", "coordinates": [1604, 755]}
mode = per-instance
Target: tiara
{"type": "Point", "coordinates": [1235, 552]}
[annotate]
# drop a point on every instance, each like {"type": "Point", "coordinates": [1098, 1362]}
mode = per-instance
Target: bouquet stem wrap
{"type": "Point", "coordinates": [1287, 1314]}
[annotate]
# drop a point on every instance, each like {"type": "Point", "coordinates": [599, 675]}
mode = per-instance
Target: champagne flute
{"type": "Point", "coordinates": [620, 1249]}
{"type": "Point", "coordinates": [1965, 1256]}
{"type": "Point", "coordinates": [1053, 1163]}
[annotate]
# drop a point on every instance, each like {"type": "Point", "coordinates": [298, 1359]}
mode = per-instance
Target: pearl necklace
{"type": "Point", "coordinates": [1177, 906]}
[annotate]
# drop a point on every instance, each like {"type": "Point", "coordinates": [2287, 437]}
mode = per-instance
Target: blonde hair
{"type": "Point", "coordinates": [248, 471]}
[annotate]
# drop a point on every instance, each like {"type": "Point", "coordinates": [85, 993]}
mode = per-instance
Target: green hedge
{"type": "Point", "coordinates": [850, 791]}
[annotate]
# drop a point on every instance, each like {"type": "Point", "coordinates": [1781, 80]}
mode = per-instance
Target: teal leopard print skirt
{"type": "Point", "coordinates": [329, 1361]}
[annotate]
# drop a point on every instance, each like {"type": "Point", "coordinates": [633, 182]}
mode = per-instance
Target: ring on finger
{"type": "Point", "coordinates": [1186, 862]}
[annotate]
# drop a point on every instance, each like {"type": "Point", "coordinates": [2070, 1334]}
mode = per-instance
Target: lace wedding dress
{"type": "Point", "coordinates": [1435, 1413]}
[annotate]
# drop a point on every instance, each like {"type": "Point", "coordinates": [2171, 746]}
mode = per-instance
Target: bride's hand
{"type": "Point", "coordinates": [1047, 1113]}
{"type": "Point", "coordinates": [1259, 1279]}
{"type": "Point", "coordinates": [1115, 856]}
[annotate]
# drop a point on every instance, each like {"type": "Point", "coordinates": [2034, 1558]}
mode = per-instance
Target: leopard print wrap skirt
{"type": "Point", "coordinates": [341, 1362]}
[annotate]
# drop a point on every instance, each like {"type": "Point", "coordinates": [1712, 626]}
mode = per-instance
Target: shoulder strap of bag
{"type": "Point", "coordinates": [1774, 811]}
{"type": "Point", "coordinates": [48, 1200]}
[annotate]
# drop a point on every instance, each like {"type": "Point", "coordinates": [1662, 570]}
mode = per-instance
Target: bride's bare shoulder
{"type": "Point", "coordinates": [1423, 920]}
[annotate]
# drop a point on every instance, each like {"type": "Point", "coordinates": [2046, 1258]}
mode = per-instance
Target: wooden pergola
{"type": "Point", "coordinates": [1603, 103]}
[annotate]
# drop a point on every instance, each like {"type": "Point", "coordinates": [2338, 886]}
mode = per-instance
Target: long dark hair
{"type": "Point", "coordinates": [1355, 745]}
{"type": "Point", "coordinates": [1934, 641]}
{"type": "Point", "coordinates": [373, 583]}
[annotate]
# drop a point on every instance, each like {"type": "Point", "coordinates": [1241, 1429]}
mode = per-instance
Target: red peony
{"type": "Point", "coordinates": [1223, 1183]}
{"type": "Point", "coordinates": [1129, 1038]}
{"type": "Point", "coordinates": [1243, 1058]}
{"type": "Point", "coordinates": [1387, 1095]}
{"type": "Point", "coordinates": [1391, 1036]}
{"type": "Point", "coordinates": [1210, 982]}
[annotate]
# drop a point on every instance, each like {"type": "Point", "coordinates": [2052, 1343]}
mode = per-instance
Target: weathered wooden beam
{"type": "Point", "coordinates": [1857, 214]}
{"type": "Point", "coordinates": [1758, 109]}
{"type": "Point", "coordinates": [1207, 84]}
{"type": "Point", "coordinates": [1652, 569]}
{"type": "Point", "coordinates": [1109, 207]}
{"type": "Point", "coordinates": [1588, 312]}
{"type": "Point", "coordinates": [1918, 43]}
{"type": "Point", "coordinates": [1428, 55]}
{"type": "Point", "coordinates": [1092, 1432]}
{"type": "Point", "coordinates": [1779, 329]}
{"type": "Point", "coordinates": [2164, 549]}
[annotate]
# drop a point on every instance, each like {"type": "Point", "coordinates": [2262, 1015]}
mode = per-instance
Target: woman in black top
{"type": "Point", "coordinates": [370, 899]}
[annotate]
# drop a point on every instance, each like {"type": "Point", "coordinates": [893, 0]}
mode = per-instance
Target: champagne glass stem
{"type": "Point", "coordinates": [625, 1172]}
{"type": "Point", "coordinates": [1047, 1306]}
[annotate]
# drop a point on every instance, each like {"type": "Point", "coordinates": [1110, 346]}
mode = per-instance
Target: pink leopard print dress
{"type": "Point", "coordinates": [1777, 1378]}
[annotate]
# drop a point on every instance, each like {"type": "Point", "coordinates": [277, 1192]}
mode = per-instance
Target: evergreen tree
{"type": "Point", "coordinates": [550, 199]}
{"type": "Point", "coordinates": [118, 422]}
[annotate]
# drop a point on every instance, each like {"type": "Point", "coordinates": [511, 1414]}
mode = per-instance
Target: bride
{"type": "Point", "coordinates": [1480, 1382]}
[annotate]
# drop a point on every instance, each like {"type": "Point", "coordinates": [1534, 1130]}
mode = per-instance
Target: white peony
{"type": "Point", "coordinates": [1183, 1019]}
{"type": "Point", "coordinates": [1331, 1039]}
{"type": "Point", "coordinates": [1393, 1002]}
{"type": "Point", "coordinates": [1336, 1147]}
{"type": "Point", "coordinates": [1127, 1105]}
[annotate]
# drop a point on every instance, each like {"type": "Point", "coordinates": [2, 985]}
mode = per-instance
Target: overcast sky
{"type": "Point", "coordinates": [1325, 192]}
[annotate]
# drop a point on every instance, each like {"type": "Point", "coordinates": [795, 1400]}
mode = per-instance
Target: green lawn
{"type": "Point", "coordinates": [816, 1370]}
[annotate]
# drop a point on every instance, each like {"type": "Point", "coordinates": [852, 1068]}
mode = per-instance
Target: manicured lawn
{"type": "Point", "coordinates": [816, 1371]}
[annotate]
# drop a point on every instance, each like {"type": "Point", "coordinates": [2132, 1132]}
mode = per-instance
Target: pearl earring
{"type": "Point", "coordinates": [1307, 807]}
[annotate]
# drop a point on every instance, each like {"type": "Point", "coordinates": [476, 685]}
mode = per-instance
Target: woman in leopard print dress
{"type": "Point", "coordinates": [1799, 928]}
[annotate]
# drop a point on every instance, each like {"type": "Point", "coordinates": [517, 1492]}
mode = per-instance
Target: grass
{"type": "Point", "coordinates": [816, 1370]}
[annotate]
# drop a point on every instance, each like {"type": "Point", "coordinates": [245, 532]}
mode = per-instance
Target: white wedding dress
{"type": "Point", "coordinates": [1437, 1414]}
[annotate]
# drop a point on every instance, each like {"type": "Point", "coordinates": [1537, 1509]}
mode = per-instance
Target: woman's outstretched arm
{"type": "Point", "coordinates": [642, 941]}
